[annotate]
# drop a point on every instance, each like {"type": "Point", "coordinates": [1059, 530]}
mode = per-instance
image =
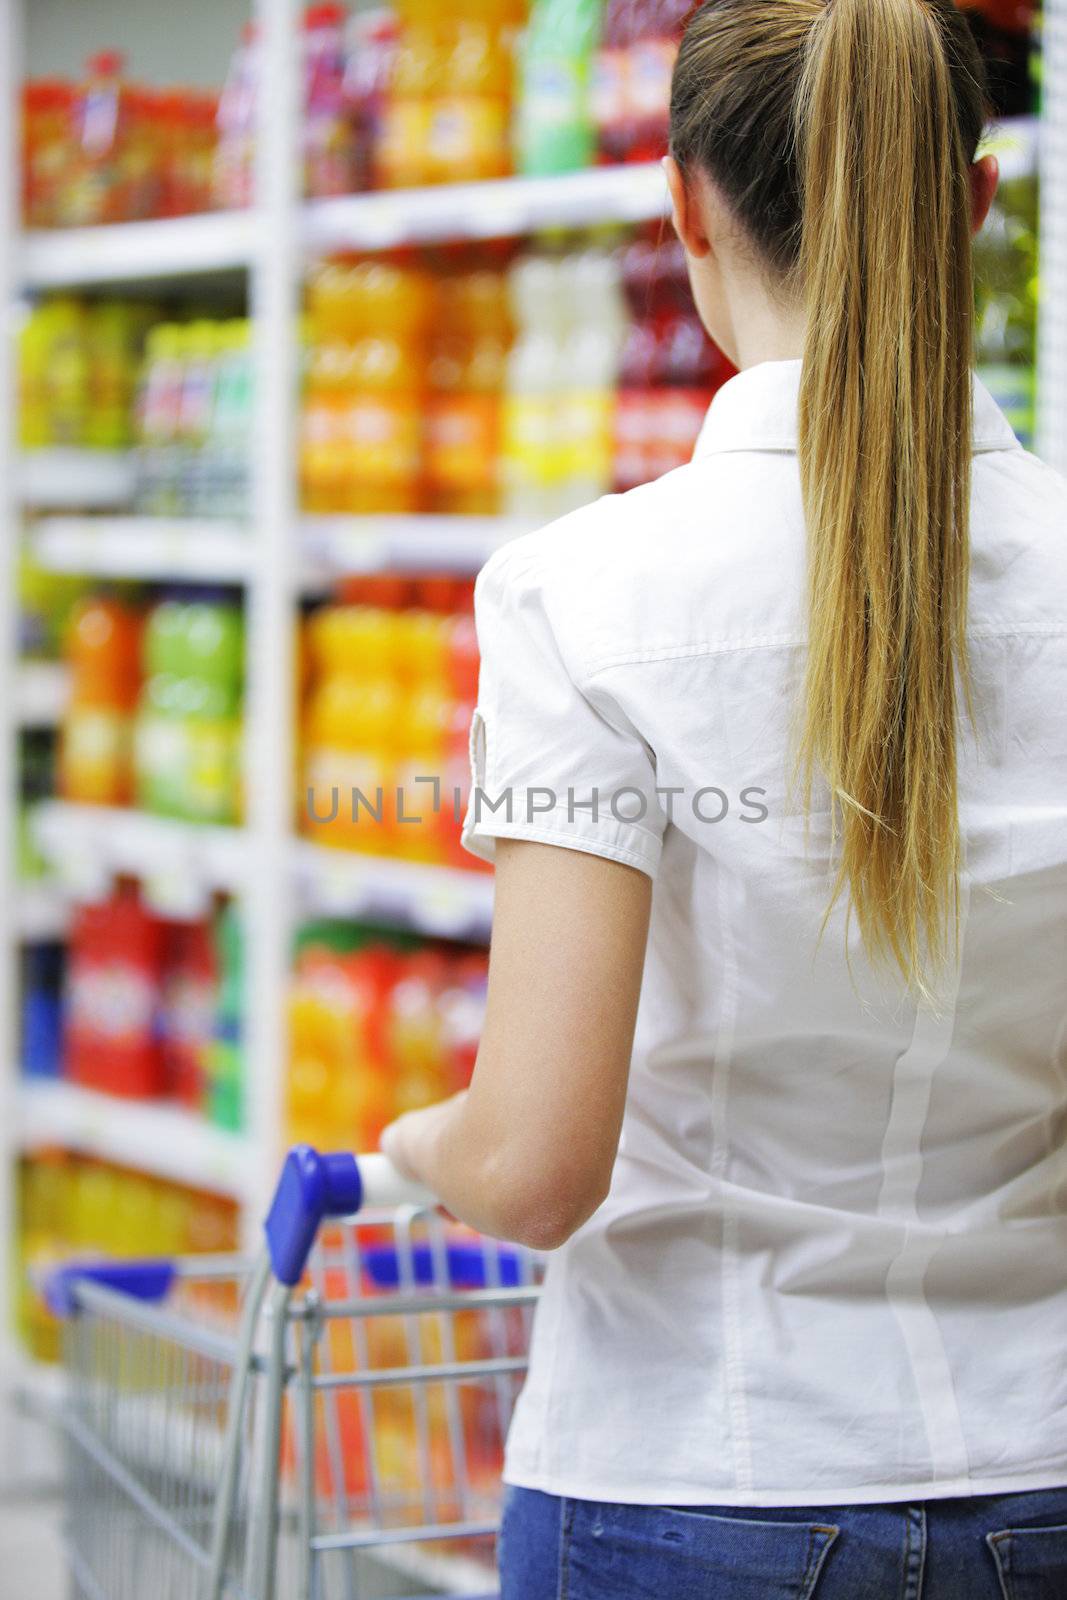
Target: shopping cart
{"type": "Point", "coordinates": [324, 1424]}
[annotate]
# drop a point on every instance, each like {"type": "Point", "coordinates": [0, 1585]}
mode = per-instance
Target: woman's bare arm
{"type": "Point", "coordinates": [527, 1152]}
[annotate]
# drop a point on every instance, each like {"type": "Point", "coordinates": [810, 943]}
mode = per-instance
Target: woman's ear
{"type": "Point", "coordinates": [686, 212]}
{"type": "Point", "coordinates": [985, 176]}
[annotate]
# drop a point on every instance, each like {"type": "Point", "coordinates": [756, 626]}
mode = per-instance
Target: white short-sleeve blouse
{"type": "Point", "coordinates": [833, 1263]}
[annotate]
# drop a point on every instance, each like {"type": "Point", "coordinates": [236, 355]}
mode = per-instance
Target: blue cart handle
{"type": "Point", "coordinates": [314, 1188]}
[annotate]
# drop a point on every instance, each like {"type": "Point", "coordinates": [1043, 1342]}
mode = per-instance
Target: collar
{"type": "Point", "coordinates": [757, 410]}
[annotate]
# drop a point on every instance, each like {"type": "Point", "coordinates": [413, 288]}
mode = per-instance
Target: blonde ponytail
{"type": "Point", "coordinates": [885, 456]}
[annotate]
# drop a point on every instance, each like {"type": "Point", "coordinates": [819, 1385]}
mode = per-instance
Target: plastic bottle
{"type": "Point", "coordinates": [556, 131]}
{"type": "Point", "coordinates": [41, 1010]}
{"type": "Point", "coordinates": [388, 306]}
{"type": "Point", "coordinates": [103, 654]}
{"type": "Point", "coordinates": [407, 118]}
{"type": "Point", "coordinates": [532, 447]}
{"type": "Point", "coordinates": [111, 1040]}
{"type": "Point", "coordinates": [187, 746]}
{"type": "Point", "coordinates": [382, 427]}
{"type": "Point", "coordinates": [371, 55]}
{"type": "Point", "coordinates": [46, 151]}
{"type": "Point", "coordinates": [157, 414]}
{"type": "Point", "coordinates": [470, 124]}
{"type": "Point", "coordinates": [69, 376]}
{"type": "Point", "coordinates": [34, 375]}
{"type": "Point", "coordinates": [113, 347]}
{"type": "Point", "coordinates": [188, 993]}
{"type": "Point", "coordinates": [329, 146]}
{"type": "Point", "coordinates": [100, 190]}
{"type": "Point", "coordinates": [233, 178]}
{"type": "Point", "coordinates": [201, 363]}
{"type": "Point", "coordinates": [588, 375]}
{"type": "Point", "coordinates": [420, 807]}
{"type": "Point", "coordinates": [225, 1063]}
{"type": "Point", "coordinates": [657, 32]}
{"type": "Point", "coordinates": [214, 659]}
{"type": "Point", "coordinates": [415, 1036]}
{"type": "Point", "coordinates": [610, 94]}
{"type": "Point", "coordinates": [225, 483]}
{"type": "Point", "coordinates": [467, 371]}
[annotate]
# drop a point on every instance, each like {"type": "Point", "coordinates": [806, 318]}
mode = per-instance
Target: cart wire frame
{"type": "Point", "coordinates": [224, 1421]}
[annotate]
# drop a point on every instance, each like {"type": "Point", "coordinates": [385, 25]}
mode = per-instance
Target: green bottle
{"type": "Point", "coordinates": [225, 1072]}
{"type": "Point", "coordinates": [556, 132]}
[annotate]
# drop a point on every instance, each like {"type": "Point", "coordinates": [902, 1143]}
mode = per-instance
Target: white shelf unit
{"type": "Point", "coordinates": [161, 1139]}
{"type": "Point", "coordinates": [331, 547]}
{"type": "Point", "coordinates": [148, 548]}
{"type": "Point", "coordinates": [182, 865]}
{"type": "Point", "coordinates": [177, 247]}
{"type": "Point", "coordinates": [82, 480]}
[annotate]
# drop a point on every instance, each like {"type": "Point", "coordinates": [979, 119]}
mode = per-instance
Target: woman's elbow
{"type": "Point", "coordinates": [542, 1215]}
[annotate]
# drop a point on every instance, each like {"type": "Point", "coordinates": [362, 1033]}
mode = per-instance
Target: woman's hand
{"type": "Point", "coordinates": [410, 1141]}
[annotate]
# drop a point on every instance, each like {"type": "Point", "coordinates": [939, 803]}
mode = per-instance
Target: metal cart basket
{"type": "Point", "coordinates": [325, 1424]}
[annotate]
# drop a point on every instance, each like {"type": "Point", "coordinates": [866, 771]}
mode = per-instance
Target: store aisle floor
{"type": "Point", "coordinates": [32, 1566]}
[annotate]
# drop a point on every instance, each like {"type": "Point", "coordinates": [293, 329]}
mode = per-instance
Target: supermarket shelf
{"type": "Point", "coordinates": [442, 902]}
{"type": "Point", "coordinates": [138, 251]}
{"type": "Point", "coordinates": [41, 691]}
{"type": "Point", "coordinates": [160, 1139]}
{"type": "Point", "coordinates": [144, 547]}
{"type": "Point", "coordinates": [335, 546]}
{"type": "Point", "coordinates": [74, 479]}
{"type": "Point", "coordinates": [135, 252]}
{"type": "Point", "coordinates": [1016, 142]}
{"type": "Point", "coordinates": [41, 913]}
{"type": "Point", "coordinates": [502, 208]}
{"type": "Point", "coordinates": [180, 863]}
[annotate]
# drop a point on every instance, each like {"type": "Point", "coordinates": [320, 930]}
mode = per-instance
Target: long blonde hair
{"type": "Point", "coordinates": [842, 132]}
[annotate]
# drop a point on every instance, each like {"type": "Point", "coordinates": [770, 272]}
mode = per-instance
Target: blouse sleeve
{"type": "Point", "coordinates": [550, 761]}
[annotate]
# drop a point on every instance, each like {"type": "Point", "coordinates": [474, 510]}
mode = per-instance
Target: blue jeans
{"type": "Point", "coordinates": [994, 1547]}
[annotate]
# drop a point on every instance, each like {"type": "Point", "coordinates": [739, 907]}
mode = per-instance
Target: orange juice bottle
{"type": "Point", "coordinates": [95, 763]}
{"type": "Point", "coordinates": [103, 120]}
{"type": "Point", "coordinates": [351, 752]}
{"type": "Point", "coordinates": [383, 427]}
{"type": "Point", "coordinates": [422, 808]}
{"type": "Point", "coordinates": [416, 1040]}
{"type": "Point", "coordinates": [419, 647]}
{"type": "Point", "coordinates": [470, 122]}
{"type": "Point", "coordinates": [404, 158]}
{"type": "Point", "coordinates": [467, 372]}
{"type": "Point", "coordinates": [357, 641]}
{"type": "Point", "coordinates": [323, 447]}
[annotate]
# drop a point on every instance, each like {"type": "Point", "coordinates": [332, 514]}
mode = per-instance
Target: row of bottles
{"type": "Point", "coordinates": [108, 149]}
{"type": "Point", "coordinates": [78, 369]}
{"type": "Point", "coordinates": [402, 96]}
{"type": "Point", "coordinates": [193, 420]}
{"type": "Point", "coordinates": [404, 375]}
{"type": "Point", "coordinates": [151, 1007]}
{"type": "Point", "coordinates": [379, 1024]}
{"type": "Point", "coordinates": [387, 705]}
{"type": "Point", "coordinates": [68, 1206]}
